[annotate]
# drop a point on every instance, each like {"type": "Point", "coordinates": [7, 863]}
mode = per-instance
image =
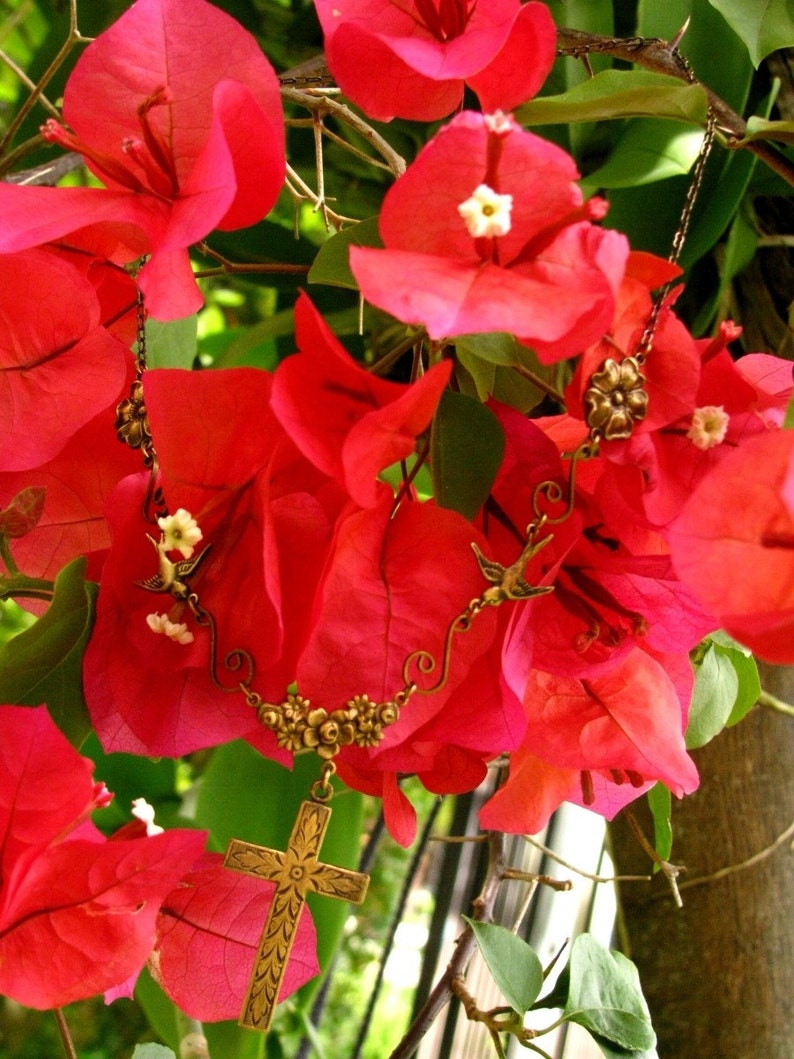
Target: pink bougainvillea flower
{"type": "Point", "coordinates": [626, 725]}
{"type": "Point", "coordinates": [541, 271]}
{"type": "Point", "coordinates": [77, 912]}
{"type": "Point", "coordinates": [208, 933]}
{"type": "Point", "coordinates": [411, 59]}
{"type": "Point", "coordinates": [733, 544]}
{"type": "Point", "coordinates": [266, 521]}
{"type": "Point", "coordinates": [349, 423]}
{"type": "Point", "coordinates": [58, 366]}
{"type": "Point", "coordinates": [177, 111]}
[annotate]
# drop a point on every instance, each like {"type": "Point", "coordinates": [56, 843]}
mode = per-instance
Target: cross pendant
{"type": "Point", "coordinates": [296, 872]}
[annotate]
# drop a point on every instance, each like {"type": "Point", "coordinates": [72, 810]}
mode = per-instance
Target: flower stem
{"type": "Point", "coordinates": [66, 1037]}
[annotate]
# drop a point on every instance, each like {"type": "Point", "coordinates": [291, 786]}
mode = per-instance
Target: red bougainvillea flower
{"type": "Point", "coordinates": [479, 720]}
{"type": "Point", "coordinates": [77, 912]}
{"type": "Point", "coordinates": [266, 517]}
{"type": "Point", "coordinates": [58, 366]}
{"type": "Point", "coordinates": [208, 933]}
{"type": "Point", "coordinates": [410, 59]}
{"type": "Point", "coordinates": [626, 726]}
{"type": "Point", "coordinates": [607, 599]}
{"type": "Point", "coordinates": [733, 544]}
{"type": "Point", "coordinates": [72, 522]}
{"type": "Point", "coordinates": [349, 423]}
{"type": "Point", "coordinates": [486, 231]}
{"type": "Point", "coordinates": [177, 111]}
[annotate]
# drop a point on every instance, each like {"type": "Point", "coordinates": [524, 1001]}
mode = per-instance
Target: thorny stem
{"type": "Point", "coordinates": [228, 267]}
{"type": "Point", "coordinates": [66, 1037]}
{"type": "Point", "coordinates": [670, 871]}
{"type": "Point", "coordinates": [321, 104]}
{"type": "Point", "coordinates": [75, 37]}
{"type": "Point", "coordinates": [464, 948]}
{"type": "Point", "coordinates": [301, 191]}
{"type": "Point", "coordinates": [658, 56]}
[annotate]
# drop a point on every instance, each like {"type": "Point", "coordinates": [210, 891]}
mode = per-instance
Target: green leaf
{"type": "Point", "coordinates": [45, 662]}
{"type": "Point", "coordinates": [761, 129]}
{"type": "Point", "coordinates": [619, 94]}
{"type": "Point", "coordinates": [514, 964]}
{"type": "Point", "coordinates": [605, 996]}
{"type": "Point", "coordinates": [727, 687]}
{"type": "Point", "coordinates": [649, 149]}
{"type": "Point", "coordinates": [466, 448]}
{"type": "Point", "coordinates": [740, 248]}
{"type": "Point", "coordinates": [660, 804]}
{"type": "Point", "coordinates": [746, 667]}
{"type": "Point", "coordinates": [611, 1051]}
{"type": "Point", "coordinates": [716, 688]}
{"type": "Point", "coordinates": [152, 1051]}
{"type": "Point", "coordinates": [488, 361]}
{"type": "Point", "coordinates": [332, 266]}
{"type": "Point", "coordinates": [763, 25]}
{"type": "Point", "coordinates": [171, 344]}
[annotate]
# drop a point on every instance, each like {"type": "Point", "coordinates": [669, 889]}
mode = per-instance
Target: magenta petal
{"type": "Point", "coordinates": [453, 298]}
{"type": "Point", "coordinates": [208, 933]}
{"type": "Point", "coordinates": [58, 368]}
{"type": "Point", "coordinates": [370, 74]}
{"type": "Point", "coordinates": [169, 285]}
{"type": "Point", "coordinates": [32, 216]}
{"type": "Point", "coordinates": [185, 46]}
{"type": "Point", "coordinates": [519, 69]}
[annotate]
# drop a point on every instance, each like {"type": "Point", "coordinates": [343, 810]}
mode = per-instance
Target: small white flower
{"type": "Point", "coordinates": [709, 426]}
{"type": "Point", "coordinates": [144, 812]}
{"type": "Point", "coordinates": [499, 123]}
{"type": "Point", "coordinates": [176, 631]}
{"type": "Point", "coordinates": [180, 532]}
{"type": "Point", "coordinates": [486, 213]}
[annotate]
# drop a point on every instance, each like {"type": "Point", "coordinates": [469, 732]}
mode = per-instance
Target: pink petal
{"type": "Point", "coordinates": [208, 933]}
{"type": "Point", "coordinates": [518, 70]}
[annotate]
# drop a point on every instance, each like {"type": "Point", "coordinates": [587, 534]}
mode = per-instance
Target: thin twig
{"type": "Point", "coordinates": [15, 68]}
{"type": "Point", "coordinates": [742, 865]}
{"type": "Point", "coordinates": [773, 703]}
{"type": "Point", "coordinates": [66, 1037]}
{"type": "Point", "coordinates": [75, 37]}
{"type": "Point", "coordinates": [670, 871]}
{"type": "Point", "coordinates": [580, 871]}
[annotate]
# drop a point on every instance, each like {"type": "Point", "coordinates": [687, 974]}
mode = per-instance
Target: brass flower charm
{"type": "Point", "coordinates": [616, 399]}
{"type": "Point", "coordinates": [298, 726]}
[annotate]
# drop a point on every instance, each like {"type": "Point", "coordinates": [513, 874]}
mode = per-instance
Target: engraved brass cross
{"type": "Point", "coordinates": [296, 872]}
